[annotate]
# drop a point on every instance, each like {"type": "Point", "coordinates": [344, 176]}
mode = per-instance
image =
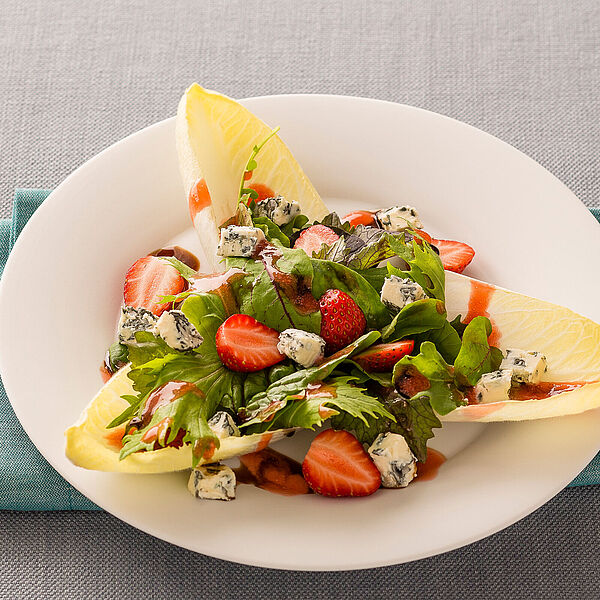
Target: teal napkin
{"type": "Point", "coordinates": [27, 481]}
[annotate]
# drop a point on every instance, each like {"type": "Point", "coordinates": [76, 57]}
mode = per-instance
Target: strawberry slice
{"type": "Point", "coordinates": [336, 464]}
{"type": "Point", "coordinates": [147, 280]}
{"type": "Point", "coordinates": [311, 239]}
{"type": "Point", "coordinates": [361, 217]}
{"type": "Point", "coordinates": [245, 344]}
{"type": "Point", "coordinates": [381, 358]}
{"type": "Point", "coordinates": [342, 320]}
{"type": "Point", "coordinates": [455, 256]}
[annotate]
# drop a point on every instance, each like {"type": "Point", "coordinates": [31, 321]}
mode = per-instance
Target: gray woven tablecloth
{"type": "Point", "coordinates": [76, 76]}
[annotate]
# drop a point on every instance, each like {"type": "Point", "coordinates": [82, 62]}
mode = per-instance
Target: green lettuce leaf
{"type": "Point", "coordinates": [319, 402]}
{"type": "Point", "coordinates": [148, 347]}
{"type": "Point", "coordinates": [476, 356]}
{"type": "Point", "coordinates": [446, 339]}
{"type": "Point", "coordinates": [424, 266]}
{"type": "Point", "coordinates": [271, 230]}
{"type": "Point", "coordinates": [414, 318]}
{"type": "Point", "coordinates": [278, 295]}
{"type": "Point", "coordinates": [430, 369]}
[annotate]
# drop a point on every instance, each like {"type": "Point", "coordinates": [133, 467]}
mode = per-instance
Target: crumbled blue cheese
{"type": "Point", "coordinates": [223, 425]}
{"type": "Point", "coordinates": [526, 366]}
{"type": "Point", "coordinates": [398, 218]}
{"type": "Point", "coordinates": [174, 327]}
{"type": "Point", "coordinates": [133, 320]}
{"type": "Point", "coordinates": [392, 456]}
{"type": "Point", "coordinates": [239, 240]}
{"type": "Point", "coordinates": [396, 292]}
{"type": "Point", "coordinates": [278, 209]}
{"type": "Point", "coordinates": [302, 347]}
{"type": "Point", "coordinates": [494, 386]}
{"type": "Point", "coordinates": [213, 482]}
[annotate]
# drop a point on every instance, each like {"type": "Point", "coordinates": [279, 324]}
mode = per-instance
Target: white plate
{"type": "Point", "coordinates": [62, 288]}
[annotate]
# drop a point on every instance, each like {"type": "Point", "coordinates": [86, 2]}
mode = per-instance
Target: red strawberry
{"type": "Point", "coordinates": [421, 235]}
{"type": "Point", "coordinates": [455, 255]}
{"type": "Point", "coordinates": [382, 357]}
{"type": "Point", "coordinates": [361, 217]}
{"type": "Point", "coordinates": [311, 239]}
{"type": "Point", "coordinates": [342, 320]}
{"type": "Point", "coordinates": [245, 344]}
{"type": "Point", "coordinates": [147, 280]}
{"type": "Point", "coordinates": [336, 464]}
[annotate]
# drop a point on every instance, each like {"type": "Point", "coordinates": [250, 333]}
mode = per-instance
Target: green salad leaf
{"type": "Point", "coordinates": [476, 356]}
{"type": "Point", "coordinates": [416, 317]}
{"type": "Point", "coordinates": [446, 339]}
{"type": "Point", "coordinates": [320, 401]}
{"type": "Point", "coordinates": [276, 291]}
{"type": "Point", "coordinates": [271, 230]}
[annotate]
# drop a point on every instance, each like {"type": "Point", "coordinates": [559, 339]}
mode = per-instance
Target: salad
{"type": "Point", "coordinates": [304, 319]}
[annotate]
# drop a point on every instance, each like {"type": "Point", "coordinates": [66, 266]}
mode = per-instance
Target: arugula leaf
{"type": "Point", "coordinates": [415, 317]}
{"type": "Point", "coordinates": [424, 265]}
{"type": "Point", "coordinates": [414, 420]}
{"type": "Point", "coordinates": [330, 275]}
{"type": "Point", "coordinates": [333, 220]}
{"type": "Point", "coordinates": [265, 404]}
{"type": "Point", "coordinates": [430, 369]}
{"type": "Point", "coordinates": [277, 291]}
{"type": "Point", "coordinates": [271, 230]}
{"type": "Point", "coordinates": [316, 404]}
{"type": "Point", "coordinates": [375, 276]}
{"type": "Point", "coordinates": [250, 166]}
{"type": "Point", "coordinates": [458, 325]}
{"type": "Point", "coordinates": [298, 222]}
{"type": "Point", "coordinates": [476, 356]}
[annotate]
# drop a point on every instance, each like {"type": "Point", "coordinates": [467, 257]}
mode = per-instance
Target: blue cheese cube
{"type": "Point", "coordinates": [239, 240]}
{"type": "Point", "coordinates": [174, 327]}
{"type": "Point", "coordinates": [278, 209]}
{"type": "Point", "coordinates": [223, 425]}
{"type": "Point", "coordinates": [392, 456]}
{"type": "Point", "coordinates": [302, 347]}
{"type": "Point", "coordinates": [396, 292]}
{"type": "Point", "coordinates": [133, 320]}
{"type": "Point", "coordinates": [526, 366]}
{"type": "Point", "coordinates": [213, 482]}
{"type": "Point", "coordinates": [494, 386]}
{"type": "Point", "coordinates": [399, 218]}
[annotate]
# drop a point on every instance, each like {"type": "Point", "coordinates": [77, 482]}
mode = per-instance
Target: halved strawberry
{"type": "Point", "coordinates": [420, 235]}
{"type": "Point", "coordinates": [245, 344]}
{"type": "Point", "coordinates": [147, 280]}
{"type": "Point", "coordinates": [311, 239]}
{"type": "Point", "coordinates": [336, 464]}
{"type": "Point", "coordinates": [342, 320]}
{"type": "Point", "coordinates": [361, 217]}
{"type": "Point", "coordinates": [381, 358]}
{"type": "Point", "coordinates": [455, 256]}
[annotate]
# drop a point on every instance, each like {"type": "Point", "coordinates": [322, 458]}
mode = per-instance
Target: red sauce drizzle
{"type": "Point", "coordinates": [199, 197]}
{"type": "Point", "coordinates": [429, 469]}
{"type": "Point", "coordinates": [105, 373]}
{"type": "Point", "coordinates": [544, 389]}
{"type": "Point", "coordinates": [263, 191]}
{"type": "Point", "coordinates": [479, 303]}
{"type": "Point", "coordinates": [114, 437]}
{"type": "Point", "coordinates": [272, 471]}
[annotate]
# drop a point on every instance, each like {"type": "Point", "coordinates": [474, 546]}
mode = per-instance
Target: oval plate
{"type": "Point", "coordinates": [61, 292]}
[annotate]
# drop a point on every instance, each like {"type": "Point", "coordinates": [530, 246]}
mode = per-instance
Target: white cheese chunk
{"type": "Point", "coordinates": [302, 347]}
{"type": "Point", "coordinates": [278, 209]}
{"type": "Point", "coordinates": [392, 456]}
{"type": "Point", "coordinates": [174, 327]}
{"type": "Point", "coordinates": [398, 218]}
{"type": "Point", "coordinates": [223, 425]}
{"type": "Point", "coordinates": [238, 240]}
{"type": "Point", "coordinates": [527, 366]}
{"type": "Point", "coordinates": [396, 292]}
{"type": "Point", "coordinates": [213, 482]}
{"type": "Point", "coordinates": [133, 320]}
{"type": "Point", "coordinates": [494, 386]}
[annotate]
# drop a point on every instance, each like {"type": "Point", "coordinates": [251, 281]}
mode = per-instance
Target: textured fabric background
{"type": "Point", "coordinates": [76, 76]}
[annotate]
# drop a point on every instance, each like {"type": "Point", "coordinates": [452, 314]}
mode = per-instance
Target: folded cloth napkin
{"type": "Point", "coordinates": [27, 481]}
